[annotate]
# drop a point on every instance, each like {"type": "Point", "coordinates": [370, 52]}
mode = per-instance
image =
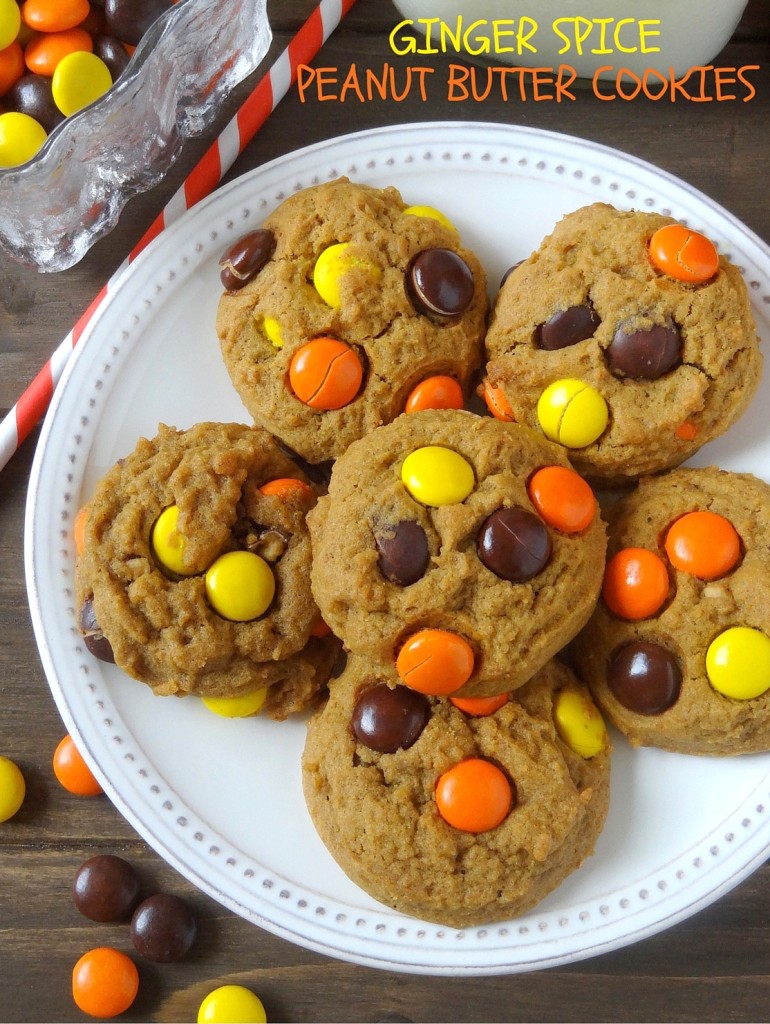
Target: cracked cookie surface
{"type": "Point", "coordinates": [394, 342]}
{"type": "Point", "coordinates": [676, 362]}
{"type": "Point", "coordinates": [160, 624]}
{"type": "Point", "coordinates": [377, 812]}
{"type": "Point", "coordinates": [378, 585]}
{"type": "Point", "coordinates": [654, 675]}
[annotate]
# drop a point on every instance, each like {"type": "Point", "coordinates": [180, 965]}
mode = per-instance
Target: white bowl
{"type": "Point", "coordinates": [686, 33]}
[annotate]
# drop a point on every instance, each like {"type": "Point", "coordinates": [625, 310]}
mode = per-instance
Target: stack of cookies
{"type": "Point", "coordinates": [457, 764]}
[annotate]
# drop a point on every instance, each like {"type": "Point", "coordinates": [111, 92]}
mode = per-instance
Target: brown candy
{"type": "Point", "coordinates": [647, 353]}
{"type": "Point", "coordinates": [567, 327]}
{"type": "Point", "coordinates": [163, 928]}
{"type": "Point", "coordinates": [387, 719]}
{"type": "Point", "coordinates": [129, 19]}
{"type": "Point", "coordinates": [245, 258]}
{"type": "Point", "coordinates": [105, 888]}
{"type": "Point", "coordinates": [95, 641]}
{"type": "Point", "coordinates": [440, 284]}
{"type": "Point", "coordinates": [644, 677]}
{"type": "Point", "coordinates": [403, 552]}
{"type": "Point", "coordinates": [514, 544]}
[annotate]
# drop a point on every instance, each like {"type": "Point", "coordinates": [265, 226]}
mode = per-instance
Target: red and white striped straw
{"type": "Point", "coordinates": [200, 182]}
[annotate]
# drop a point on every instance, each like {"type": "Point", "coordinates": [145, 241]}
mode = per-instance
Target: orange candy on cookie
{"type": "Point", "coordinates": [683, 254]}
{"type": "Point", "coordinates": [435, 661]}
{"type": "Point", "coordinates": [497, 403]}
{"type": "Point", "coordinates": [439, 392]}
{"type": "Point", "coordinates": [703, 544]}
{"type": "Point", "coordinates": [480, 707]}
{"type": "Point", "coordinates": [635, 584]}
{"type": "Point", "coordinates": [284, 487]}
{"type": "Point", "coordinates": [474, 796]}
{"type": "Point", "coordinates": [325, 374]}
{"type": "Point", "coordinates": [563, 498]}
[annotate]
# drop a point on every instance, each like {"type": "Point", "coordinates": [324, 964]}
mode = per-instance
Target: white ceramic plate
{"type": "Point", "coordinates": [221, 800]}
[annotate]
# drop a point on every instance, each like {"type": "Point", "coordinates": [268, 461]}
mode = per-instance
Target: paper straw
{"type": "Point", "coordinates": [200, 182]}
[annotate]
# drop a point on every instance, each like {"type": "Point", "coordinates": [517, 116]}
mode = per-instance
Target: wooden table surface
{"type": "Point", "coordinates": [713, 966]}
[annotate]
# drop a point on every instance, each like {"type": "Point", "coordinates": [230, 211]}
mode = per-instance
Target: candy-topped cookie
{"type": "Point", "coordinates": [462, 550]}
{"type": "Point", "coordinates": [460, 813]}
{"type": "Point", "coordinates": [194, 570]}
{"type": "Point", "coordinates": [677, 653]}
{"type": "Point", "coordinates": [339, 309]}
{"type": "Point", "coordinates": [627, 339]}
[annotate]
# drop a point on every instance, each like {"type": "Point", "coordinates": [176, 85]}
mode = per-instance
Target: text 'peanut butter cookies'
{"type": "Point", "coordinates": [342, 304]}
{"type": "Point", "coordinates": [677, 653]}
{"type": "Point", "coordinates": [194, 574]}
{"type": "Point", "coordinates": [626, 338]}
{"type": "Point", "coordinates": [462, 550]}
{"type": "Point", "coordinates": [453, 816]}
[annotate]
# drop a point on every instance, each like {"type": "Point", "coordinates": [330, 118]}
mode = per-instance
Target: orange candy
{"type": "Point", "coordinates": [325, 373]}
{"type": "Point", "coordinates": [497, 403]}
{"type": "Point", "coordinates": [686, 431]}
{"type": "Point", "coordinates": [44, 51]}
{"type": "Point", "coordinates": [474, 796]}
{"type": "Point", "coordinates": [105, 982]}
{"type": "Point", "coordinates": [435, 661]}
{"type": "Point", "coordinates": [79, 529]}
{"type": "Point", "coordinates": [635, 584]}
{"type": "Point", "coordinates": [563, 498]}
{"type": "Point", "coordinates": [284, 487]}
{"type": "Point", "coordinates": [72, 771]}
{"type": "Point", "coordinates": [320, 629]}
{"type": "Point", "coordinates": [479, 707]}
{"type": "Point", "coordinates": [11, 66]}
{"type": "Point", "coordinates": [440, 392]}
{"type": "Point", "coordinates": [54, 15]}
{"type": "Point", "coordinates": [703, 544]}
{"type": "Point", "coordinates": [684, 254]}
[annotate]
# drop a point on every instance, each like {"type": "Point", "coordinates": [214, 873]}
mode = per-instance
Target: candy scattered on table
{"type": "Point", "coordinates": [12, 788]}
{"type": "Point", "coordinates": [163, 928]}
{"type": "Point", "coordinates": [105, 888]}
{"type": "Point", "coordinates": [72, 771]}
{"type": "Point", "coordinates": [232, 1004]}
{"type": "Point", "coordinates": [105, 982]}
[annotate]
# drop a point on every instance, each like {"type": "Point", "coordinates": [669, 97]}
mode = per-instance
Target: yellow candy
{"type": "Point", "coordinates": [168, 543]}
{"type": "Point", "coordinates": [10, 22]}
{"type": "Point", "coordinates": [272, 330]}
{"type": "Point", "coordinates": [237, 707]}
{"type": "Point", "coordinates": [240, 586]}
{"type": "Point", "coordinates": [437, 476]}
{"type": "Point", "coordinates": [432, 212]}
{"type": "Point", "coordinates": [579, 723]}
{"type": "Point", "coordinates": [79, 79]}
{"type": "Point", "coordinates": [572, 412]}
{"type": "Point", "coordinates": [12, 789]}
{"type": "Point", "coordinates": [21, 136]}
{"type": "Point", "coordinates": [738, 663]}
{"type": "Point", "coordinates": [232, 1004]}
{"type": "Point", "coordinates": [329, 268]}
